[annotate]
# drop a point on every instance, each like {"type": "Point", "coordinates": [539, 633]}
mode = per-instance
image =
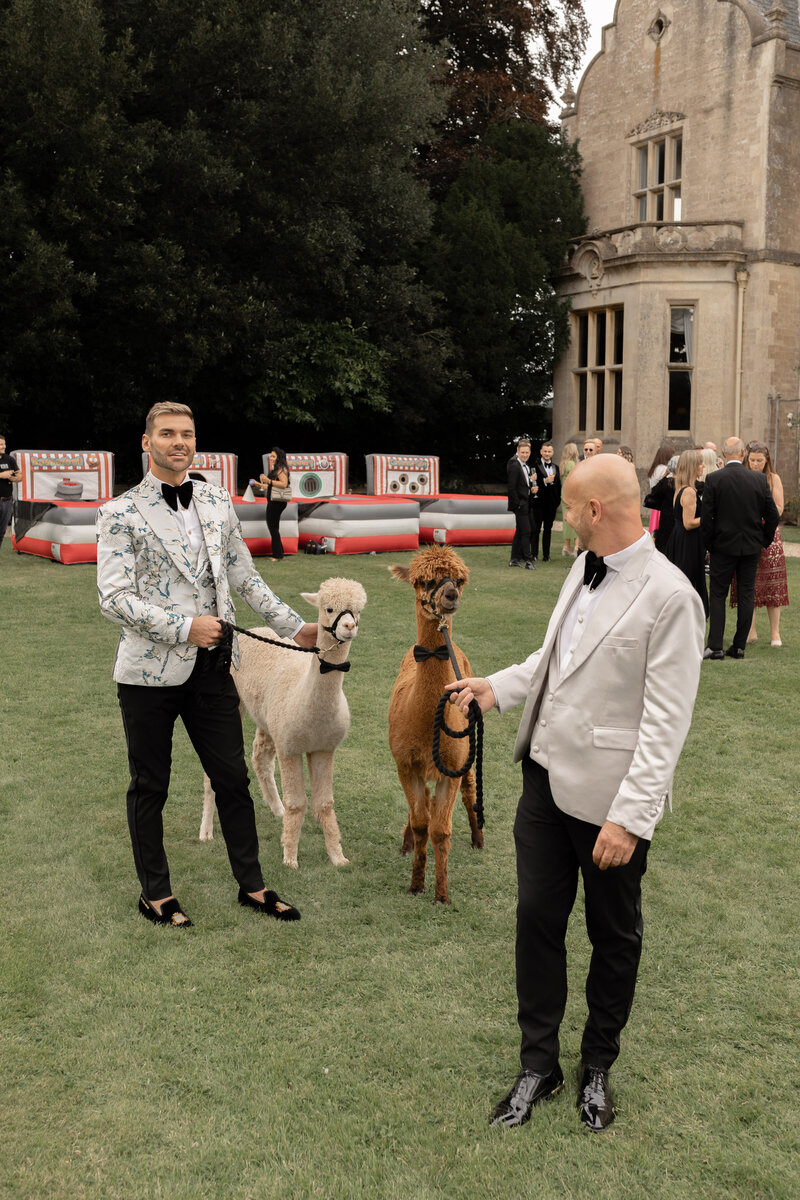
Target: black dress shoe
{"type": "Point", "coordinates": [733, 652]}
{"type": "Point", "coordinates": [714, 654]}
{"type": "Point", "coordinates": [595, 1101]}
{"type": "Point", "coordinates": [271, 906]}
{"type": "Point", "coordinates": [530, 1088]}
{"type": "Point", "coordinates": [171, 913]}
{"type": "Point", "coordinates": [529, 566]}
{"type": "Point", "coordinates": [514, 562]}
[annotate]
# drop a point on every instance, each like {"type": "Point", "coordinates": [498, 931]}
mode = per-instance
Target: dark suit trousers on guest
{"type": "Point", "coordinates": [208, 705]}
{"type": "Point", "coordinates": [722, 570]}
{"type": "Point", "coordinates": [543, 519]}
{"type": "Point", "coordinates": [552, 848]}
{"type": "Point", "coordinates": [521, 545]}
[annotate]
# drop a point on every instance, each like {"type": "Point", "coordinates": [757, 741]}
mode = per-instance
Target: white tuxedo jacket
{"type": "Point", "coordinates": [149, 586]}
{"type": "Point", "coordinates": [620, 713]}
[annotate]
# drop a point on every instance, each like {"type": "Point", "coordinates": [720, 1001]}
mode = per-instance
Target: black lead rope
{"type": "Point", "coordinates": [474, 731]}
{"type": "Point", "coordinates": [226, 647]}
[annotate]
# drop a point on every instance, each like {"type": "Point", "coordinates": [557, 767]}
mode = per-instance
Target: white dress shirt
{"type": "Point", "coordinates": [573, 627]}
{"type": "Point", "coordinates": [188, 522]}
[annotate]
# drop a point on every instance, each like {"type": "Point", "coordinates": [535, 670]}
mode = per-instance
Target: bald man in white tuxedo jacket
{"type": "Point", "coordinates": [608, 703]}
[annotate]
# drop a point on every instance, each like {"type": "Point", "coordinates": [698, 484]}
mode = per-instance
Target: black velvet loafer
{"type": "Point", "coordinates": [530, 1089]}
{"type": "Point", "coordinates": [171, 913]}
{"type": "Point", "coordinates": [595, 1101]}
{"type": "Point", "coordinates": [271, 906]}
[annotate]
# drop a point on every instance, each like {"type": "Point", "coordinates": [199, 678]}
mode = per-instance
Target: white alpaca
{"type": "Point", "coordinates": [298, 710]}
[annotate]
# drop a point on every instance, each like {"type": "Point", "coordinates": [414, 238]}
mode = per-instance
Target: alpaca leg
{"type": "Point", "coordinates": [408, 835]}
{"type": "Point", "coordinates": [441, 826]}
{"type": "Point", "coordinates": [209, 804]}
{"type": "Point", "coordinates": [264, 767]}
{"type": "Point", "coordinates": [320, 768]}
{"type": "Point", "coordinates": [294, 796]}
{"type": "Point", "coordinates": [468, 797]}
{"type": "Point", "coordinates": [417, 796]}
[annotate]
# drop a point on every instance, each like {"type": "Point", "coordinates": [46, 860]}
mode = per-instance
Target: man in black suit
{"type": "Point", "coordinates": [546, 502]}
{"type": "Point", "coordinates": [738, 519]}
{"type": "Point", "coordinates": [521, 486]}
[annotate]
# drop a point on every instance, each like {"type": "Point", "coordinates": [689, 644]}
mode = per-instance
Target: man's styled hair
{"type": "Point", "coordinates": [166, 408]}
{"type": "Point", "coordinates": [543, 444]}
{"type": "Point", "coordinates": [523, 442]}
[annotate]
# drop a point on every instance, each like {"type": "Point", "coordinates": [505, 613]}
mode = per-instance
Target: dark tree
{"type": "Point", "coordinates": [209, 201]}
{"type": "Point", "coordinates": [503, 60]}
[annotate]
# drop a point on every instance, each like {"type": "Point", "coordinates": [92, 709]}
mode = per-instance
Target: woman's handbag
{"type": "Point", "coordinates": [280, 493]}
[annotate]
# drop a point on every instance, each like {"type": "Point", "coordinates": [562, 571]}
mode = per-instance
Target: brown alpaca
{"type": "Point", "coordinates": [438, 576]}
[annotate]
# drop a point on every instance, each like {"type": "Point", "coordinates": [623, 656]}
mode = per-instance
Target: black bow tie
{"type": "Point", "coordinates": [173, 494]}
{"type": "Point", "coordinates": [422, 654]}
{"type": "Point", "coordinates": [324, 667]}
{"type": "Point", "coordinates": [594, 569]}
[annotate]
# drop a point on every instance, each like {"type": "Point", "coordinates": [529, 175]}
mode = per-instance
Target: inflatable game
{"type": "Point", "coordinates": [57, 500]}
{"type": "Point", "coordinates": [360, 524]}
{"type": "Point", "coordinates": [402, 474]}
{"type": "Point", "coordinates": [457, 520]}
{"type": "Point", "coordinates": [313, 476]}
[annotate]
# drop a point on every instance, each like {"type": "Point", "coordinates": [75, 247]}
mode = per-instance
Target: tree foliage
{"type": "Point", "coordinates": [209, 202]}
{"type": "Point", "coordinates": [504, 60]}
{"type": "Point", "coordinates": [499, 239]}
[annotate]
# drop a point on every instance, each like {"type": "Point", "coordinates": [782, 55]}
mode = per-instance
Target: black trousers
{"type": "Point", "coordinates": [542, 521]}
{"type": "Point", "coordinates": [208, 705]}
{"type": "Point", "coordinates": [552, 848]}
{"type": "Point", "coordinates": [723, 569]}
{"type": "Point", "coordinates": [521, 545]}
{"type": "Point", "coordinates": [274, 511]}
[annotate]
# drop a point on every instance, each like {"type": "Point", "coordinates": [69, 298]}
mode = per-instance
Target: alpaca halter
{"type": "Point", "coordinates": [430, 604]}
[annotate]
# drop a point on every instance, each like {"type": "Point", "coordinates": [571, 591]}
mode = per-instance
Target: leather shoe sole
{"type": "Point", "coordinates": [270, 906]}
{"type": "Point", "coordinates": [530, 1089]}
{"type": "Point", "coordinates": [595, 1100]}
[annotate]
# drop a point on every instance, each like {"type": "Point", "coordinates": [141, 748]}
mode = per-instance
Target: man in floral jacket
{"type": "Point", "coordinates": [168, 553]}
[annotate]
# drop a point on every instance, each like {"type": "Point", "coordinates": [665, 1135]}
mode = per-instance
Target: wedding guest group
{"type": "Point", "coordinates": [738, 520]}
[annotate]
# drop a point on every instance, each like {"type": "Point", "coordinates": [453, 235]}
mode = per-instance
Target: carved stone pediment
{"type": "Point", "coordinates": [658, 119]}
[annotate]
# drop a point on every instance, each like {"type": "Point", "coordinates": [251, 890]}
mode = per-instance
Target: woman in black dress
{"type": "Point", "coordinates": [685, 547]}
{"type": "Point", "coordinates": [278, 478]}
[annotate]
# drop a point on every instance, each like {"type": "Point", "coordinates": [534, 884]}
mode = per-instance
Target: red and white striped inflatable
{"type": "Point", "coordinates": [313, 476]}
{"type": "Point", "coordinates": [65, 474]}
{"type": "Point", "coordinates": [402, 474]}
{"type": "Point", "coordinates": [456, 520]}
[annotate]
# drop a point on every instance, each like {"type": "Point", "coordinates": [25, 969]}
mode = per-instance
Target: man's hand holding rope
{"type": "Point", "coordinates": [464, 691]}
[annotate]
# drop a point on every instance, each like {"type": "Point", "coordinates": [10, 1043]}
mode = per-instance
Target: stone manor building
{"type": "Point", "coordinates": [685, 293]}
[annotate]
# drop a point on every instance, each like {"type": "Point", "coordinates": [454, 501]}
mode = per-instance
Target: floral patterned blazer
{"type": "Point", "coordinates": [148, 584]}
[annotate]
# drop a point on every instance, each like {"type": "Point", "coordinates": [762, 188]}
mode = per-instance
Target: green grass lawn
{"type": "Point", "coordinates": [358, 1053]}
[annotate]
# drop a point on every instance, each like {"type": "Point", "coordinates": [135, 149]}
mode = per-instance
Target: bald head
{"type": "Point", "coordinates": [732, 447]}
{"type": "Point", "coordinates": [604, 502]}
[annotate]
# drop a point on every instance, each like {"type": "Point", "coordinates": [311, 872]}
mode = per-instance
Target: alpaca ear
{"type": "Point", "coordinates": [400, 573]}
{"type": "Point", "coordinates": [311, 598]}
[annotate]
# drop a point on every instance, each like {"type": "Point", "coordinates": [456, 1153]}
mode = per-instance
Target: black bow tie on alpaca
{"type": "Point", "coordinates": [594, 569]}
{"type": "Point", "coordinates": [324, 667]}
{"type": "Point", "coordinates": [422, 654]}
{"type": "Point", "coordinates": [173, 494]}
